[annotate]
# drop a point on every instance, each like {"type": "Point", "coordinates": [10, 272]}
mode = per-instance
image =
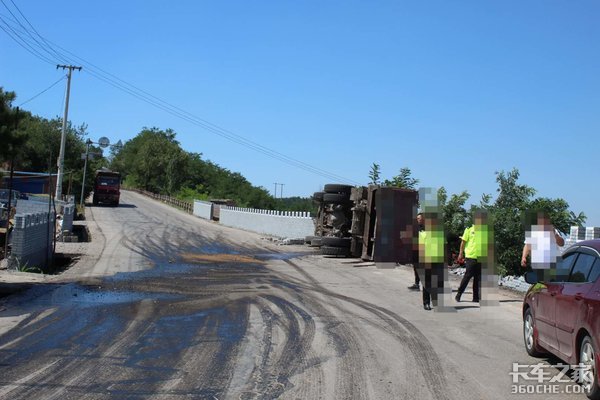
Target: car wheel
{"type": "Point", "coordinates": [335, 251]}
{"type": "Point", "coordinates": [529, 335]}
{"type": "Point", "coordinates": [334, 188]}
{"type": "Point", "coordinates": [587, 357]}
{"type": "Point", "coordinates": [335, 241]}
{"type": "Point", "coordinates": [336, 198]}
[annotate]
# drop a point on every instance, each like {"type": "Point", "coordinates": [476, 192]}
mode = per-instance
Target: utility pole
{"type": "Point", "coordinates": [87, 151]}
{"type": "Point", "coordinates": [10, 186]}
{"type": "Point", "coordinates": [275, 193]}
{"type": "Point", "coordinates": [63, 137]}
{"type": "Point", "coordinates": [281, 197]}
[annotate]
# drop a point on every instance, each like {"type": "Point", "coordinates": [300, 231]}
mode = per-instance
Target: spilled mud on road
{"type": "Point", "coordinates": [207, 325]}
{"type": "Point", "coordinates": [219, 258]}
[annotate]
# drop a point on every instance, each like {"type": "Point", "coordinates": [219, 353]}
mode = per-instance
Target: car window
{"type": "Point", "coordinates": [563, 267]}
{"type": "Point", "coordinates": [595, 272]}
{"type": "Point", "coordinates": [581, 268]}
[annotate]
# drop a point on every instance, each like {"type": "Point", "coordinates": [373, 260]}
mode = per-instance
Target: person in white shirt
{"type": "Point", "coordinates": [542, 243]}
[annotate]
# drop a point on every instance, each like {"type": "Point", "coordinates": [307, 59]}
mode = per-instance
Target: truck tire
{"type": "Point", "coordinates": [332, 241]}
{"type": "Point", "coordinates": [334, 188]}
{"type": "Point", "coordinates": [335, 251]}
{"type": "Point", "coordinates": [318, 196]}
{"type": "Point", "coordinates": [315, 242]}
{"type": "Point", "coordinates": [336, 198]}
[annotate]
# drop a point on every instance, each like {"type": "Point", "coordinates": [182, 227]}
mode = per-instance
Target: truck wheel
{"type": "Point", "coordinates": [335, 251]}
{"type": "Point", "coordinates": [315, 242]}
{"type": "Point", "coordinates": [334, 188]}
{"type": "Point", "coordinates": [336, 198]}
{"type": "Point", "coordinates": [331, 241]}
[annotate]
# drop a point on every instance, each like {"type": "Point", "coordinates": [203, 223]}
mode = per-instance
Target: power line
{"type": "Point", "coordinates": [32, 27]}
{"type": "Point", "coordinates": [23, 43]}
{"type": "Point", "coordinates": [178, 112]}
{"type": "Point", "coordinates": [43, 91]}
{"type": "Point", "coordinates": [44, 48]}
{"type": "Point", "coordinates": [144, 96]}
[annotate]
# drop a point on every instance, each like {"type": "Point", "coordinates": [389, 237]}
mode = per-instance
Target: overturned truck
{"type": "Point", "coordinates": [374, 223]}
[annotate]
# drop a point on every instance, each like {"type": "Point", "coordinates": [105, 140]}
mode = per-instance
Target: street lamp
{"type": "Point", "coordinates": [102, 142]}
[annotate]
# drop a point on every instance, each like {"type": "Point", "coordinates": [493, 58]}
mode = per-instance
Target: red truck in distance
{"type": "Point", "coordinates": [107, 185]}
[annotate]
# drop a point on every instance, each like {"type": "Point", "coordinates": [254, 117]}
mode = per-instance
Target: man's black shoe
{"type": "Point", "coordinates": [427, 306]}
{"type": "Point", "coordinates": [414, 287]}
{"type": "Point", "coordinates": [457, 297]}
{"type": "Point", "coordinates": [475, 300]}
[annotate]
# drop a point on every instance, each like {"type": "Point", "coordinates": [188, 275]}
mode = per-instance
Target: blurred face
{"type": "Point", "coordinates": [420, 219]}
{"type": "Point", "coordinates": [543, 220]}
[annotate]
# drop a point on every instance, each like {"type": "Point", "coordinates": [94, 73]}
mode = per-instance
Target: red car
{"type": "Point", "coordinates": [560, 314]}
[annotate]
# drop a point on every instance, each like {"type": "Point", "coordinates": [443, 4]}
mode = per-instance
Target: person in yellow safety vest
{"type": "Point", "coordinates": [432, 254]}
{"type": "Point", "coordinates": [474, 247]}
{"type": "Point", "coordinates": [417, 283]}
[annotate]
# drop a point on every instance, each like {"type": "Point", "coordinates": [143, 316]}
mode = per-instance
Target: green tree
{"type": "Point", "coordinates": [403, 180]}
{"type": "Point", "coordinates": [33, 142]}
{"type": "Point", "coordinates": [512, 201]}
{"type": "Point", "coordinates": [154, 161]}
{"type": "Point", "coordinates": [577, 219]}
{"type": "Point", "coordinates": [11, 137]}
{"type": "Point", "coordinates": [296, 204]}
{"type": "Point", "coordinates": [454, 214]}
{"type": "Point", "coordinates": [40, 153]}
{"type": "Point", "coordinates": [375, 174]}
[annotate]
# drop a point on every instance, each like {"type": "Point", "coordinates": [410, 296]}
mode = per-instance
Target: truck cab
{"type": "Point", "coordinates": [107, 185]}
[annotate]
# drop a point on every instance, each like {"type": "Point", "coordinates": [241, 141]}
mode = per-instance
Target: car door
{"type": "Point", "coordinates": [571, 306]}
{"type": "Point", "coordinates": [545, 301]}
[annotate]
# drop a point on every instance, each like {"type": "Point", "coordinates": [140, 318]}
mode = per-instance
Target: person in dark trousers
{"type": "Point", "coordinates": [431, 259]}
{"type": "Point", "coordinates": [417, 285]}
{"type": "Point", "coordinates": [473, 245]}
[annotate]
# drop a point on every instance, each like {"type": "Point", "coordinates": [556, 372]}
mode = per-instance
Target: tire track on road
{"type": "Point", "coordinates": [406, 333]}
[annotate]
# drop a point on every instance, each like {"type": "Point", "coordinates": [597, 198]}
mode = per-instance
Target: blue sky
{"type": "Point", "coordinates": [454, 90]}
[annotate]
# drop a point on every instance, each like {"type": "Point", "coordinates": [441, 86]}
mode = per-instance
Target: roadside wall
{"type": "Point", "coordinates": [202, 209]}
{"type": "Point", "coordinates": [32, 238]}
{"type": "Point", "coordinates": [284, 224]}
{"type": "Point", "coordinates": [40, 205]}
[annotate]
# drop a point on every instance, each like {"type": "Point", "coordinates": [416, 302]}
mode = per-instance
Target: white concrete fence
{"type": "Point", "coordinates": [283, 224]}
{"type": "Point", "coordinates": [202, 209]}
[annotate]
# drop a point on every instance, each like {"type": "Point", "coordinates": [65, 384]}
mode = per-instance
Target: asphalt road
{"type": "Point", "coordinates": [168, 306]}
